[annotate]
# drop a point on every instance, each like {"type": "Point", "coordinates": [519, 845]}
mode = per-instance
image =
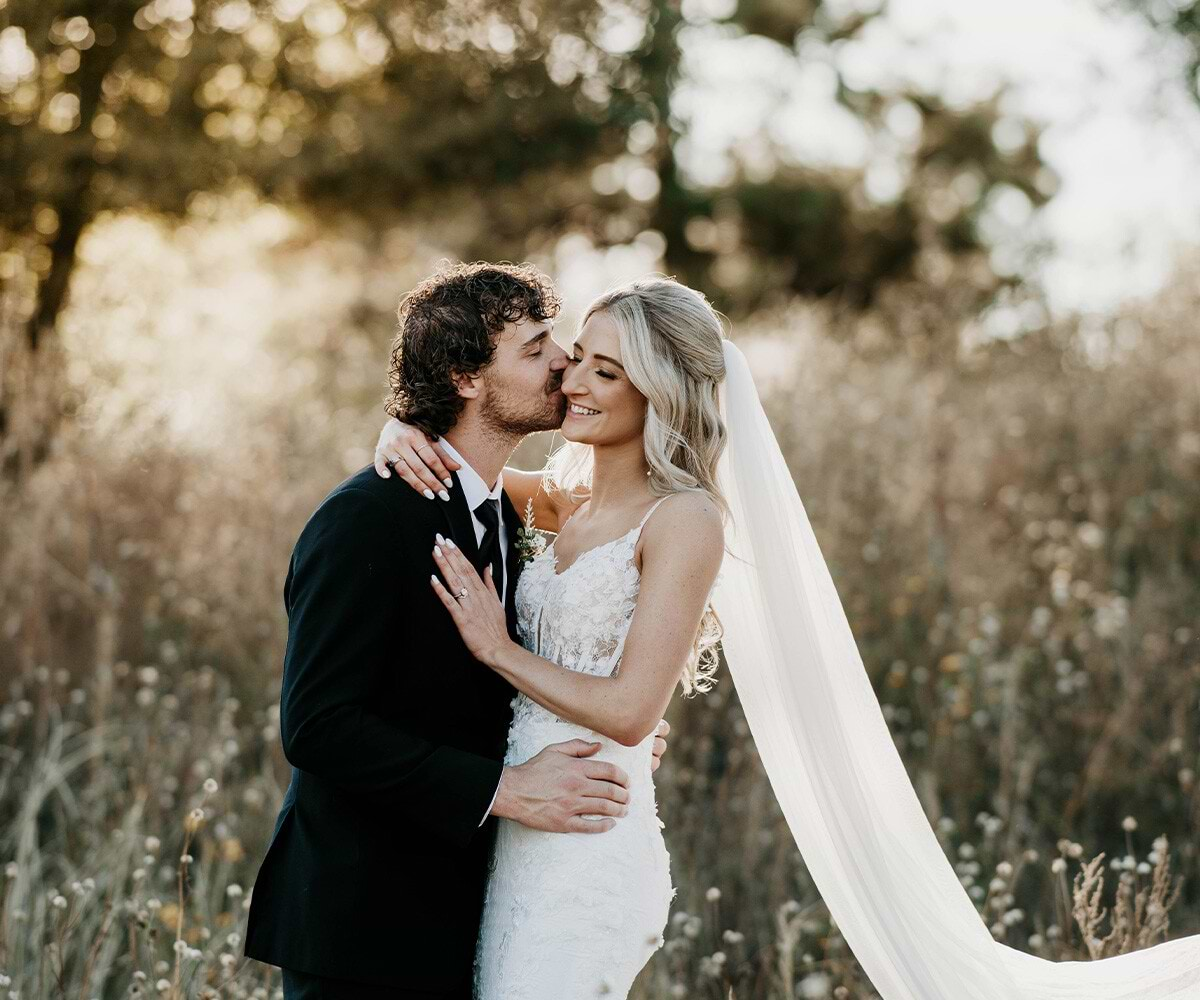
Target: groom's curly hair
{"type": "Point", "coordinates": [449, 326]}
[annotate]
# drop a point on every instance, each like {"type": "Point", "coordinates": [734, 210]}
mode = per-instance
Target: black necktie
{"type": "Point", "coordinates": [488, 513]}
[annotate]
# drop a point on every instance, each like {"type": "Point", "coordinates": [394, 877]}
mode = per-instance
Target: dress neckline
{"type": "Point", "coordinates": [586, 552]}
{"type": "Point", "coordinates": [603, 545]}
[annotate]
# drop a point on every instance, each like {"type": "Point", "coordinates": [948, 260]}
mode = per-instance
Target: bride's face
{"type": "Point", "coordinates": [603, 407]}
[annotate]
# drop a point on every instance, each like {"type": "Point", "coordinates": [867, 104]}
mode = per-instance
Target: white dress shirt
{"type": "Point", "coordinates": [476, 491]}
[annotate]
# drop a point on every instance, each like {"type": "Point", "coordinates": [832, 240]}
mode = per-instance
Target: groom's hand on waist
{"type": "Point", "coordinates": [561, 790]}
{"type": "Point", "coordinates": [660, 744]}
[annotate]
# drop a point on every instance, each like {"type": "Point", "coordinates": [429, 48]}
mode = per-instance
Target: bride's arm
{"type": "Point", "coordinates": [421, 464]}
{"type": "Point", "coordinates": [681, 555]}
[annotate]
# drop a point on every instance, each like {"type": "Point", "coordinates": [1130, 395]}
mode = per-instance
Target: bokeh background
{"type": "Point", "coordinates": [958, 243]}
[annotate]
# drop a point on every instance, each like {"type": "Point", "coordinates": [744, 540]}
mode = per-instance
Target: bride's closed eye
{"type": "Point", "coordinates": [599, 371]}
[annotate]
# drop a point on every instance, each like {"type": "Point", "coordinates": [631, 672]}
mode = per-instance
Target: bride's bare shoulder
{"type": "Point", "coordinates": [687, 506]}
{"type": "Point", "coordinates": [689, 521]}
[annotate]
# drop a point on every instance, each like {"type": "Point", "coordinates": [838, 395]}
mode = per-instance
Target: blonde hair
{"type": "Point", "coordinates": [671, 349]}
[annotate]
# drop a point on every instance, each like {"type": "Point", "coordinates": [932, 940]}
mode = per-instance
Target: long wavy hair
{"type": "Point", "coordinates": [671, 349]}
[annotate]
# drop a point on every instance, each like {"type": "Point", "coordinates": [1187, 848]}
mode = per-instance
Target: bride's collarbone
{"type": "Point", "coordinates": [585, 532]}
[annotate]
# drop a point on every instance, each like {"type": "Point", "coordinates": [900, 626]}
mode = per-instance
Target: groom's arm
{"type": "Point", "coordinates": [342, 613]}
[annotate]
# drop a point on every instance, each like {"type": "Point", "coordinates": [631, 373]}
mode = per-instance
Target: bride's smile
{"type": "Point", "coordinates": [603, 405]}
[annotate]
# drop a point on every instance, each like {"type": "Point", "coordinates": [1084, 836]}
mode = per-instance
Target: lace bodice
{"type": "Point", "coordinates": [579, 617]}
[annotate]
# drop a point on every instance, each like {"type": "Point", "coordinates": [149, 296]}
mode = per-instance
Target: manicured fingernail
{"type": "Point", "coordinates": [440, 539]}
{"type": "Point", "coordinates": [449, 482]}
{"type": "Point", "coordinates": [450, 543]}
{"type": "Point", "coordinates": [386, 474]}
{"type": "Point", "coordinates": [443, 494]}
{"type": "Point", "coordinates": [437, 549]}
{"type": "Point", "coordinates": [428, 494]}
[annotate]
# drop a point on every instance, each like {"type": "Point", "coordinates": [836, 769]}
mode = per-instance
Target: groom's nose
{"type": "Point", "coordinates": [559, 363]}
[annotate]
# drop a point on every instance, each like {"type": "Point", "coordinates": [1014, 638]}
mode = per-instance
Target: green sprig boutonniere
{"type": "Point", "coordinates": [530, 541]}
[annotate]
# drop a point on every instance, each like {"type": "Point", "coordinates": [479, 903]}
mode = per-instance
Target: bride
{"type": "Point", "coordinates": [668, 443]}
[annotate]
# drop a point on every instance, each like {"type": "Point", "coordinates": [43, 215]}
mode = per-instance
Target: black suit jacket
{"type": "Point", "coordinates": [396, 736]}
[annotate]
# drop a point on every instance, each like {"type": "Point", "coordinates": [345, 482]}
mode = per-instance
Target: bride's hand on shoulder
{"type": "Point", "coordinates": [416, 459]}
{"type": "Point", "coordinates": [472, 603]}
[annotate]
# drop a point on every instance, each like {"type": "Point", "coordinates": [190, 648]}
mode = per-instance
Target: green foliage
{"type": "Point", "coordinates": [498, 113]}
{"type": "Point", "coordinates": [361, 107]}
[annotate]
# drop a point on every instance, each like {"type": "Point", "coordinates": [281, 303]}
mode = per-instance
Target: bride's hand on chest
{"type": "Point", "coordinates": [472, 602]}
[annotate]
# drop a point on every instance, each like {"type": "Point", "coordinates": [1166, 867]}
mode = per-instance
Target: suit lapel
{"type": "Point", "coordinates": [512, 561]}
{"type": "Point", "coordinates": [460, 522]}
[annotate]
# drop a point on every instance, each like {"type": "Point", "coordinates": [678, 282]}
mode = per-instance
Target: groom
{"type": "Point", "coordinates": [372, 886]}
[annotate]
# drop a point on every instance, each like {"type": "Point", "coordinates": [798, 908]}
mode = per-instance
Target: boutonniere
{"type": "Point", "coordinates": [530, 541]}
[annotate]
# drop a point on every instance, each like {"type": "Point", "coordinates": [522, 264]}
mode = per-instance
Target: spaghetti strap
{"type": "Point", "coordinates": [651, 511]}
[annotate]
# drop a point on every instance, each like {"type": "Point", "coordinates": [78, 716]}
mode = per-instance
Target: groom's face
{"type": "Point", "coordinates": [521, 388]}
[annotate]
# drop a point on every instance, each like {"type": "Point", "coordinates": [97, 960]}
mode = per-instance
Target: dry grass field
{"type": "Point", "coordinates": [1015, 535]}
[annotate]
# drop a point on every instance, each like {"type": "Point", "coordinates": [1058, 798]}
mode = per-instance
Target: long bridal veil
{"type": "Point", "coordinates": [836, 772]}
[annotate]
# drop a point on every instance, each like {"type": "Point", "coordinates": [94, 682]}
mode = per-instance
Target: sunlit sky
{"type": "Point", "coordinates": [1120, 128]}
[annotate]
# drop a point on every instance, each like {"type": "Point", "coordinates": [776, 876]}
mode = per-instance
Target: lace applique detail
{"type": "Point", "coordinates": [578, 618]}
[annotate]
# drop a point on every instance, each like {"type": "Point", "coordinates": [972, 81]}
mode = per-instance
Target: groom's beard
{"type": "Point", "coordinates": [514, 417]}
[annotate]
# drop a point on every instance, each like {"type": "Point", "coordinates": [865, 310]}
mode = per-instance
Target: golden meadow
{"type": "Point", "coordinates": [1014, 529]}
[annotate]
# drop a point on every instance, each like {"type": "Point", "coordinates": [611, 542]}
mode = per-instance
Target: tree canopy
{"type": "Point", "coordinates": [506, 111]}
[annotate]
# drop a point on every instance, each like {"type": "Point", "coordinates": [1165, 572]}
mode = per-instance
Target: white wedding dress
{"type": "Point", "coordinates": [572, 916]}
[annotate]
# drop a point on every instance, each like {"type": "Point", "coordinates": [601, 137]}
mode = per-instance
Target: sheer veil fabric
{"type": "Point", "coordinates": [837, 774]}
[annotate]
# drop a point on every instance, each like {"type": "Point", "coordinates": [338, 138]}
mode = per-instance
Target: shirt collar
{"type": "Point", "coordinates": [474, 488]}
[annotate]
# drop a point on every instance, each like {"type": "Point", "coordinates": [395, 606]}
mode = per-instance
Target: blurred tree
{"type": "Point", "coordinates": [1181, 18]}
{"type": "Point", "coordinates": [516, 121]}
{"type": "Point", "coordinates": [117, 104]}
{"type": "Point", "coordinates": [110, 105]}
{"type": "Point", "coordinates": [788, 228]}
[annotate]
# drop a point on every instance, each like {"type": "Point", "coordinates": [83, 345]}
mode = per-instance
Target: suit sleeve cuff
{"type": "Point", "coordinates": [495, 796]}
